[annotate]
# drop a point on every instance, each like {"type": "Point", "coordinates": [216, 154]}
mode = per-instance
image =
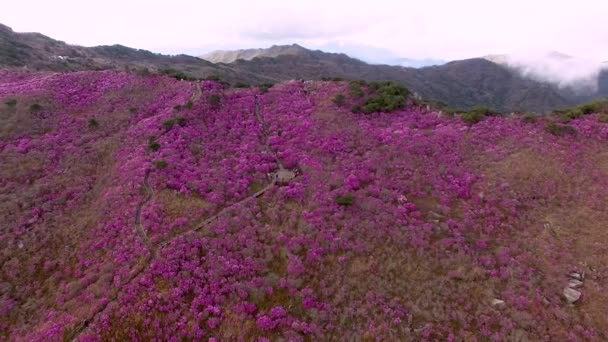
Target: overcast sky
{"type": "Point", "coordinates": [446, 29]}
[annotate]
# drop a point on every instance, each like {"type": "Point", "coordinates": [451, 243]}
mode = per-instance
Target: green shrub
{"type": "Point", "coordinates": [355, 89]}
{"type": "Point", "coordinates": [482, 110]}
{"type": "Point", "coordinates": [265, 86]}
{"type": "Point", "coordinates": [345, 200]}
{"type": "Point", "coordinates": [214, 100]}
{"type": "Point", "coordinates": [356, 109]}
{"type": "Point", "coordinates": [385, 97]}
{"type": "Point", "coordinates": [153, 145]}
{"type": "Point", "coordinates": [528, 118]}
{"type": "Point", "coordinates": [35, 107]}
{"type": "Point", "coordinates": [339, 100]}
{"type": "Point", "coordinates": [178, 74]}
{"type": "Point", "coordinates": [11, 102]}
{"type": "Point", "coordinates": [476, 114]}
{"type": "Point", "coordinates": [597, 106]}
{"type": "Point", "coordinates": [189, 104]}
{"type": "Point", "coordinates": [603, 118]}
{"type": "Point", "coordinates": [215, 78]}
{"type": "Point", "coordinates": [93, 123]}
{"type": "Point", "coordinates": [177, 108]}
{"type": "Point", "coordinates": [471, 118]}
{"type": "Point", "coordinates": [560, 130]}
{"type": "Point", "coordinates": [241, 85]}
{"type": "Point", "coordinates": [160, 164]}
{"type": "Point", "coordinates": [168, 124]}
{"type": "Point", "coordinates": [332, 78]}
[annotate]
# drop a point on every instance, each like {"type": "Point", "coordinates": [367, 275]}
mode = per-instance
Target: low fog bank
{"type": "Point", "coordinates": [579, 74]}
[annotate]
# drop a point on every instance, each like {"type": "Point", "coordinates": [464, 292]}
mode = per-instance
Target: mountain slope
{"type": "Point", "coordinates": [460, 84]}
{"type": "Point", "coordinates": [34, 51]}
{"type": "Point", "coordinates": [139, 207]}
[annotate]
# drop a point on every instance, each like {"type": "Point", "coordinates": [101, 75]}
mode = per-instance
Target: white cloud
{"type": "Point", "coordinates": [417, 29]}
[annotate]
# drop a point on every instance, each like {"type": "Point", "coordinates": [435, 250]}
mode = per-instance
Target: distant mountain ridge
{"type": "Point", "coordinates": [459, 84]}
{"type": "Point", "coordinates": [229, 56]}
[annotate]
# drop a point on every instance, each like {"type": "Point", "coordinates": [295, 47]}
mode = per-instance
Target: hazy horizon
{"type": "Point", "coordinates": [410, 29]}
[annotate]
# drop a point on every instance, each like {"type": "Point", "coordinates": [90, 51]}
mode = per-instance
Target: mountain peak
{"type": "Point", "coordinates": [224, 56]}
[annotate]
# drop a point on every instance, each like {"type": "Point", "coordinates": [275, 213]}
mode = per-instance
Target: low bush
{"type": "Point", "coordinates": [471, 118]}
{"type": "Point", "coordinates": [345, 200]}
{"type": "Point", "coordinates": [476, 114]}
{"type": "Point", "coordinates": [528, 118]}
{"type": "Point", "coordinates": [93, 123]}
{"type": "Point", "coordinates": [153, 145]}
{"type": "Point", "coordinates": [215, 78]}
{"type": "Point", "coordinates": [385, 97]}
{"type": "Point", "coordinates": [11, 103]}
{"type": "Point", "coordinates": [178, 74]}
{"type": "Point", "coordinates": [355, 89]}
{"type": "Point", "coordinates": [560, 130]}
{"type": "Point", "coordinates": [333, 79]}
{"type": "Point", "coordinates": [214, 100]}
{"type": "Point", "coordinates": [241, 85]}
{"type": "Point", "coordinates": [265, 86]}
{"type": "Point", "coordinates": [168, 124]}
{"type": "Point", "coordinates": [35, 107]}
{"type": "Point", "coordinates": [160, 164]}
{"type": "Point", "coordinates": [339, 100]}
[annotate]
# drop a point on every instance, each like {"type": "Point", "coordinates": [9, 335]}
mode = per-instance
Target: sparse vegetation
{"type": "Point", "coordinates": [528, 118]}
{"type": "Point", "coordinates": [355, 89]}
{"type": "Point", "coordinates": [471, 118]}
{"type": "Point", "coordinates": [178, 74]}
{"type": "Point", "coordinates": [265, 86]}
{"type": "Point", "coordinates": [560, 129]}
{"type": "Point", "coordinates": [339, 100]}
{"type": "Point", "coordinates": [214, 100]}
{"type": "Point", "coordinates": [11, 102]}
{"type": "Point", "coordinates": [241, 85]}
{"type": "Point", "coordinates": [35, 107]}
{"type": "Point", "coordinates": [345, 200]}
{"type": "Point", "coordinates": [168, 124]}
{"type": "Point", "coordinates": [476, 114]}
{"type": "Point", "coordinates": [93, 124]}
{"type": "Point", "coordinates": [160, 164]}
{"type": "Point", "coordinates": [153, 145]}
{"type": "Point", "coordinates": [597, 106]}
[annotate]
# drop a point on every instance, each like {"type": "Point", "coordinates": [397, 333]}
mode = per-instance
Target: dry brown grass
{"type": "Point", "coordinates": [178, 205]}
{"type": "Point", "coordinates": [566, 223]}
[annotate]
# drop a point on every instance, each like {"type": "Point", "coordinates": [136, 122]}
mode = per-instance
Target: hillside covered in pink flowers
{"type": "Point", "coordinates": [145, 208]}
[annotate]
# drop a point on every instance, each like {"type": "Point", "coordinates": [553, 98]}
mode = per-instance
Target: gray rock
{"type": "Point", "coordinates": [577, 276]}
{"type": "Point", "coordinates": [284, 176]}
{"type": "Point", "coordinates": [571, 295]}
{"type": "Point", "coordinates": [574, 283]}
{"type": "Point", "coordinates": [498, 303]}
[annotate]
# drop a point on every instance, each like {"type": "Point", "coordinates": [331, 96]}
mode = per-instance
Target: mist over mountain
{"type": "Point", "coordinates": [579, 74]}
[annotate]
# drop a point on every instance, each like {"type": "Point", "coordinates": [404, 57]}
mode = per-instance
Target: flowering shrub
{"type": "Point", "coordinates": [101, 243]}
